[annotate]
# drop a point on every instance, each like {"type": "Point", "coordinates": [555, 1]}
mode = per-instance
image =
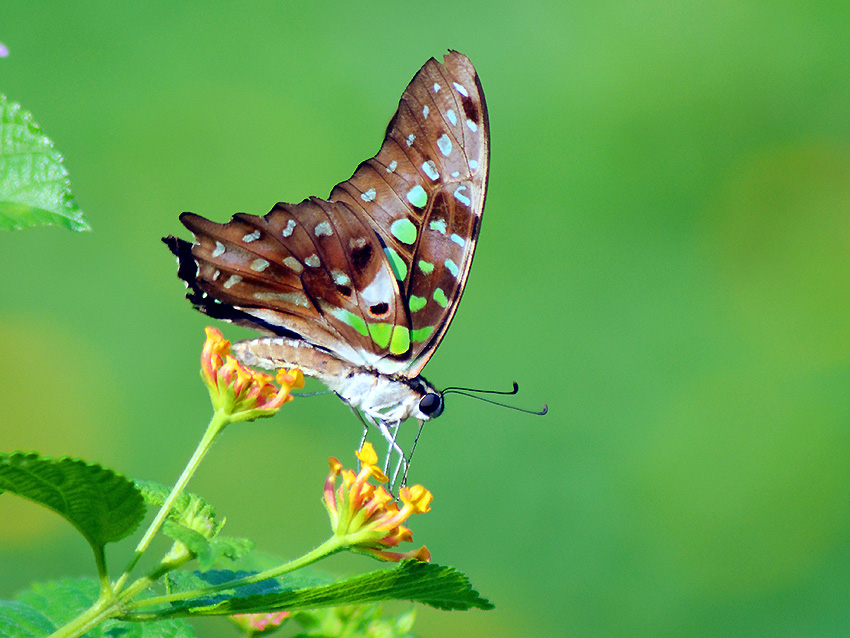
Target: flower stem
{"type": "Point", "coordinates": [217, 423]}
{"type": "Point", "coordinates": [330, 546]}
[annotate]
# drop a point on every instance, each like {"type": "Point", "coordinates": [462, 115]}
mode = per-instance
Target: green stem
{"type": "Point", "coordinates": [217, 423]}
{"type": "Point", "coordinates": [89, 619]}
{"type": "Point", "coordinates": [330, 546]}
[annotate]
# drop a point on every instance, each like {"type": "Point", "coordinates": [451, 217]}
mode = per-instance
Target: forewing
{"type": "Point", "coordinates": [424, 195]}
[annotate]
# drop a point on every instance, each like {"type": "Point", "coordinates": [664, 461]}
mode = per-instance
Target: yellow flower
{"type": "Point", "coordinates": [365, 517]}
{"type": "Point", "coordinates": [242, 393]}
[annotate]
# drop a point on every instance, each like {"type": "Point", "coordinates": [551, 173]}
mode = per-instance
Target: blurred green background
{"type": "Point", "coordinates": [664, 260]}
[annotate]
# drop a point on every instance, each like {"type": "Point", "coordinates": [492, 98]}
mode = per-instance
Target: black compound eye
{"type": "Point", "coordinates": [431, 404]}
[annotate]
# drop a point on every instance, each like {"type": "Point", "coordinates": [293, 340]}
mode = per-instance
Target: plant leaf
{"type": "Point", "coordinates": [434, 585]}
{"type": "Point", "coordinates": [19, 620]}
{"type": "Point", "coordinates": [59, 602]}
{"type": "Point", "coordinates": [34, 185]}
{"type": "Point", "coordinates": [104, 506]}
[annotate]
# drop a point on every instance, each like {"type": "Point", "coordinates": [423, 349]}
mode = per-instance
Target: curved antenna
{"type": "Point", "coordinates": [467, 392]}
{"type": "Point", "coordinates": [504, 392]}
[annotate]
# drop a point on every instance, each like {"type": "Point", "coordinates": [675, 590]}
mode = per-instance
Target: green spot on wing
{"type": "Point", "coordinates": [404, 230]}
{"type": "Point", "coordinates": [397, 264]}
{"type": "Point", "coordinates": [440, 297]}
{"type": "Point", "coordinates": [426, 266]}
{"type": "Point", "coordinates": [416, 303]}
{"type": "Point", "coordinates": [400, 342]}
{"type": "Point", "coordinates": [417, 196]}
{"type": "Point", "coordinates": [355, 321]}
{"type": "Point", "coordinates": [421, 334]}
{"type": "Point", "coordinates": [380, 333]}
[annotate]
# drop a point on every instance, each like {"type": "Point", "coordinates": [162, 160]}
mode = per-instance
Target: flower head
{"type": "Point", "coordinates": [240, 392]}
{"type": "Point", "coordinates": [365, 517]}
{"type": "Point", "coordinates": [259, 624]}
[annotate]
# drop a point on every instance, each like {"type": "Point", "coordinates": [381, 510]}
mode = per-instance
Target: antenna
{"type": "Point", "coordinates": [468, 392]}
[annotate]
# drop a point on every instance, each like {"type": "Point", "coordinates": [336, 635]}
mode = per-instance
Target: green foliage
{"type": "Point", "coordinates": [47, 606]}
{"type": "Point", "coordinates": [360, 621]}
{"type": "Point", "coordinates": [22, 621]}
{"type": "Point", "coordinates": [34, 185]}
{"type": "Point", "coordinates": [435, 585]}
{"type": "Point", "coordinates": [192, 522]}
{"type": "Point", "coordinates": [104, 506]}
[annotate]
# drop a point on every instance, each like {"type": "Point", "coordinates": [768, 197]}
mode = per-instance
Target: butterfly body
{"type": "Point", "coordinates": [382, 397]}
{"type": "Point", "coordinates": [358, 289]}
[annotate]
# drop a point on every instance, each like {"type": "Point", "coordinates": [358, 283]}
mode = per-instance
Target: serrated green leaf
{"type": "Point", "coordinates": [34, 185]}
{"type": "Point", "coordinates": [59, 602]}
{"type": "Point", "coordinates": [434, 585]}
{"type": "Point", "coordinates": [104, 506]}
{"type": "Point", "coordinates": [19, 620]}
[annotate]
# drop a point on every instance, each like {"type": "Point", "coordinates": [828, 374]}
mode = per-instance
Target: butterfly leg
{"type": "Point", "coordinates": [410, 456]}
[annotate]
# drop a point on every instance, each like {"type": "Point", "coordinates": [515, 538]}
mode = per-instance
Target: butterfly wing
{"type": "Point", "coordinates": [372, 275]}
{"type": "Point", "coordinates": [424, 195]}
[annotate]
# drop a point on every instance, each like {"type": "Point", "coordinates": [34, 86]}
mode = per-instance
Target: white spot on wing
{"type": "Point", "coordinates": [436, 87]}
{"type": "Point", "coordinates": [472, 126]}
{"type": "Point", "coordinates": [219, 249]}
{"type": "Point", "coordinates": [380, 290]}
{"type": "Point", "coordinates": [232, 280]}
{"type": "Point", "coordinates": [293, 263]}
{"type": "Point", "coordinates": [393, 165]}
{"type": "Point", "coordinates": [461, 89]}
{"type": "Point", "coordinates": [444, 144]}
{"type": "Point", "coordinates": [452, 117]}
{"type": "Point", "coordinates": [290, 226]}
{"type": "Point", "coordinates": [259, 265]}
{"type": "Point", "coordinates": [411, 139]}
{"type": "Point", "coordinates": [457, 239]}
{"type": "Point", "coordinates": [340, 278]}
{"type": "Point", "coordinates": [251, 237]}
{"type": "Point", "coordinates": [313, 260]}
{"type": "Point", "coordinates": [216, 275]}
{"type": "Point", "coordinates": [430, 169]}
{"type": "Point", "coordinates": [463, 199]}
{"type": "Point", "coordinates": [425, 111]}
{"type": "Point", "coordinates": [323, 229]}
{"type": "Point", "coordinates": [368, 196]}
{"type": "Point", "coordinates": [473, 164]}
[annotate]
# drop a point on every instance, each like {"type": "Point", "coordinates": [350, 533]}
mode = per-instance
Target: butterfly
{"type": "Point", "coordinates": [359, 289]}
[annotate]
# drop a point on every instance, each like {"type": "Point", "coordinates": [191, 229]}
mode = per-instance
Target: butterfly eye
{"type": "Point", "coordinates": [431, 404]}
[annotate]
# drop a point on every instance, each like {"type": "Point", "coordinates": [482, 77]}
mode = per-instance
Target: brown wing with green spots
{"type": "Point", "coordinates": [424, 195]}
{"type": "Point", "coordinates": [374, 274]}
{"type": "Point", "coordinates": [311, 268]}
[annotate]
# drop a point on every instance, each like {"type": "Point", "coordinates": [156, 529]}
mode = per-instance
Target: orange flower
{"type": "Point", "coordinates": [364, 517]}
{"type": "Point", "coordinates": [242, 393]}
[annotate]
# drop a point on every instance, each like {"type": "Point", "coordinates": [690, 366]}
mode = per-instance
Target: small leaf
{"type": "Point", "coordinates": [104, 506]}
{"type": "Point", "coordinates": [434, 585]}
{"type": "Point", "coordinates": [192, 522]}
{"type": "Point", "coordinates": [34, 185]}
{"type": "Point", "coordinates": [18, 620]}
